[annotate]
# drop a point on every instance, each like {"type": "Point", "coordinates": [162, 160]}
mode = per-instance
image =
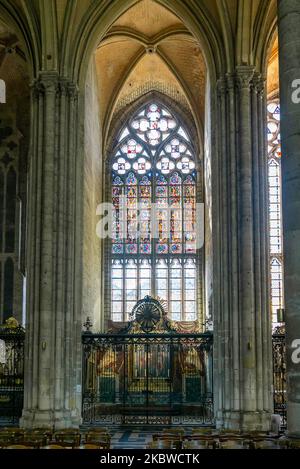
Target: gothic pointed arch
{"type": "Point", "coordinates": [95, 24]}
{"type": "Point", "coordinates": [153, 250]}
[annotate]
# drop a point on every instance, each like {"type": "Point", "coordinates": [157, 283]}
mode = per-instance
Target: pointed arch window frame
{"type": "Point", "coordinates": [274, 155]}
{"type": "Point", "coordinates": [9, 236]}
{"type": "Point", "coordinates": [149, 285]}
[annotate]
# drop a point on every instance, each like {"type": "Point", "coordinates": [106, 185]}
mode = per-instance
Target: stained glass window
{"type": "Point", "coordinates": [154, 228]}
{"type": "Point", "coordinates": [275, 209]}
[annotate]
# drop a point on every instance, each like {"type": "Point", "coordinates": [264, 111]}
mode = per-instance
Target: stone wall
{"type": "Point", "coordinates": [92, 268]}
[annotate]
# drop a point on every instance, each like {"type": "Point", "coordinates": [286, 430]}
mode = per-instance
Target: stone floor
{"type": "Point", "coordinates": [130, 439]}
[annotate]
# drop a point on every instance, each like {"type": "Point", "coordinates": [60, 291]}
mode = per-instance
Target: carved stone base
{"type": "Point", "coordinates": [53, 419]}
{"type": "Point", "coordinates": [244, 421]}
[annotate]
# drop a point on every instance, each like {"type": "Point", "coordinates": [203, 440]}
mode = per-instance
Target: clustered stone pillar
{"type": "Point", "coordinates": [289, 56]}
{"type": "Point", "coordinates": [243, 360]}
{"type": "Point", "coordinates": [52, 327]}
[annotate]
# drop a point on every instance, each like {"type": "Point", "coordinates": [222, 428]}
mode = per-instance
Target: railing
{"type": "Point", "coordinates": [147, 378]}
{"type": "Point", "coordinates": [279, 375]}
{"type": "Point", "coordinates": [11, 373]}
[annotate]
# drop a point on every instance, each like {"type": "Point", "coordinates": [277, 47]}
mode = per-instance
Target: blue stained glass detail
{"type": "Point", "coordinates": [161, 191]}
{"type": "Point", "coordinates": [145, 181]}
{"type": "Point", "coordinates": [176, 249]}
{"type": "Point", "coordinates": [131, 180]}
{"type": "Point", "coordinates": [161, 180]}
{"type": "Point", "coordinates": [189, 180]}
{"type": "Point", "coordinates": [117, 181]}
{"type": "Point", "coordinates": [162, 249]}
{"type": "Point", "coordinates": [145, 248]}
{"type": "Point", "coordinates": [175, 179]}
{"type": "Point", "coordinates": [131, 248]}
{"type": "Point", "coordinates": [117, 249]}
{"type": "Point", "coordinates": [173, 189]}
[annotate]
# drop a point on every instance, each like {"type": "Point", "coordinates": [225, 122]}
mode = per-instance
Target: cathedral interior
{"type": "Point", "coordinates": [150, 223]}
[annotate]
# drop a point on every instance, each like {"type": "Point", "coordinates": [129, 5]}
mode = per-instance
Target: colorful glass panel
{"type": "Point", "coordinates": [275, 209]}
{"type": "Point", "coordinates": [153, 163]}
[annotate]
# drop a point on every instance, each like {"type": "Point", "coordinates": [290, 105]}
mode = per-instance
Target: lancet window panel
{"type": "Point", "coordinates": [275, 209]}
{"type": "Point", "coordinates": [154, 195]}
{"type": "Point", "coordinates": [8, 236]}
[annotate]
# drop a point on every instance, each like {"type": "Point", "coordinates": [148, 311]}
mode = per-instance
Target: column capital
{"type": "Point", "coordinates": [52, 83]}
{"type": "Point", "coordinates": [49, 81]}
{"type": "Point", "coordinates": [37, 89]}
{"type": "Point", "coordinates": [244, 75]}
{"type": "Point", "coordinates": [72, 90]}
{"type": "Point", "coordinates": [259, 83]}
{"type": "Point", "coordinates": [67, 88]}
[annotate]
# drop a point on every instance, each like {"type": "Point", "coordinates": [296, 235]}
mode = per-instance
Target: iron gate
{"type": "Point", "coordinates": [147, 378]}
{"type": "Point", "coordinates": [279, 375]}
{"type": "Point", "coordinates": [12, 337]}
{"type": "Point", "coordinates": [148, 372]}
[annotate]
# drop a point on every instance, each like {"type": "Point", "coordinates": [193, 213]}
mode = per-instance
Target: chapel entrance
{"type": "Point", "coordinates": [148, 373]}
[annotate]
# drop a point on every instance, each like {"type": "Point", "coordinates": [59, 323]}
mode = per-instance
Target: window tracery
{"type": "Point", "coordinates": [153, 247]}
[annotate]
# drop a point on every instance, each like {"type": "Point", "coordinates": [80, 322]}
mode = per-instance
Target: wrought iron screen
{"type": "Point", "coordinates": [147, 378]}
{"type": "Point", "coordinates": [147, 373]}
{"type": "Point", "coordinates": [11, 372]}
{"type": "Point", "coordinates": [279, 375]}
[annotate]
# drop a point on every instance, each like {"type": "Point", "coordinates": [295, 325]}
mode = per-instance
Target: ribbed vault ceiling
{"type": "Point", "coordinates": [273, 69]}
{"type": "Point", "coordinates": [148, 48]}
{"type": "Point", "coordinates": [13, 68]}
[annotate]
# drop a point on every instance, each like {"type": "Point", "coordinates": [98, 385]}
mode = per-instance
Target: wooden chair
{"type": "Point", "coordinates": [52, 446]}
{"type": "Point", "coordinates": [258, 436]}
{"type": "Point", "coordinates": [13, 429]}
{"type": "Point", "coordinates": [284, 444]}
{"type": "Point", "coordinates": [100, 445]}
{"type": "Point", "coordinates": [68, 439]}
{"type": "Point", "coordinates": [266, 444]}
{"type": "Point", "coordinates": [209, 440]}
{"type": "Point", "coordinates": [45, 431]}
{"type": "Point", "coordinates": [10, 438]}
{"type": "Point", "coordinates": [68, 430]}
{"type": "Point", "coordinates": [231, 444]}
{"type": "Point", "coordinates": [202, 431]}
{"type": "Point", "coordinates": [20, 447]}
{"type": "Point", "coordinates": [93, 437]}
{"type": "Point", "coordinates": [5, 443]}
{"type": "Point", "coordinates": [167, 436]}
{"type": "Point", "coordinates": [14, 432]}
{"type": "Point", "coordinates": [293, 444]}
{"type": "Point", "coordinates": [35, 439]}
{"type": "Point", "coordinates": [166, 444]}
{"type": "Point", "coordinates": [173, 431]}
{"type": "Point", "coordinates": [195, 444]}
{"type": "Point", "coordinates": [89, 447]}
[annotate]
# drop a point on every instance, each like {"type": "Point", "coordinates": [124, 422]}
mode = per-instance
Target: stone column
{"type": "Point", "coordinates": [246, 240]}
{"type": "Point", "coordinates": [243, 382]}
{"type": "Point", "coordinates": [52, 327]}
{"type": "Point", "coordinates": [289, 56]}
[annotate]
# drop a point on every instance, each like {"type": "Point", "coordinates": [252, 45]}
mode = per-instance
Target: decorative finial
{"type": "Point", "coordinates": [88, 324]}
